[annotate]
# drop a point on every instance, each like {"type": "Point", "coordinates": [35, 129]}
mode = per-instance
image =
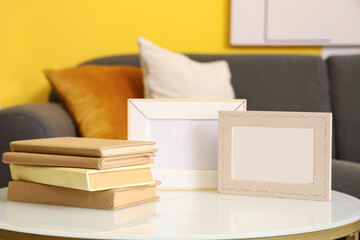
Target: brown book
{"type": "Point", "coordinates": [79, 146]}
{"type": "Point", "coordinates": [78, 218]}
{"type": "Point", "coordinates": [23, 191]}
{"type": "Point", "coordinates": [56, 160]}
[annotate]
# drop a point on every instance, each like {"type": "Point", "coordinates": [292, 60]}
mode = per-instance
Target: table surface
{"type": "Point", "coordinates": [182, 215]}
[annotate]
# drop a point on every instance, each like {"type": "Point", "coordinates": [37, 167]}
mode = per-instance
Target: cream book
{"type": "Point", "coordinates": [55, 160]}
{"type": "Point", "coordinates": [79, 146]}
{"type": "Point", "coordinates": [84, 179]}
{"type": "Point", "coordinates": [23, 191]}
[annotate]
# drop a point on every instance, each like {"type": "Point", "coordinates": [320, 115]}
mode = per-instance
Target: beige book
{"type": "Point", "coordinates": [84, 179]}
{"type": "Point", "coordinates": [56, 160]}
{"type": "Point", "coordinates": [23, 191]}
{"type": "Point", "coordinates": [79, 146]}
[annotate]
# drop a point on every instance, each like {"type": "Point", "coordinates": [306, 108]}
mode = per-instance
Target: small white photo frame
{"type": "Point", "coordinates": [275, 154]}
{"type": "Point", "coordinates": [186, 136]}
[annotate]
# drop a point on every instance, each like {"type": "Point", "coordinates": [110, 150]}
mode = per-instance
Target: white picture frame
{"type": "Point", "coordinates": [185, 132]}
{"type": "Point", "coordinates": [275, 154]}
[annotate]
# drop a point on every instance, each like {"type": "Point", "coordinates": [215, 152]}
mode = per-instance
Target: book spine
{"type": "Point", "coordinates": [56, 176]}
{"type": "Point", "coordinates": [52, 160]}
{"type": "Point", "coordinates": [39, 193]}
{"type": "Point", "coordinates": [55, 150]}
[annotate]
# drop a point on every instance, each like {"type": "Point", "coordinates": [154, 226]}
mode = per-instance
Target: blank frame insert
{"type": "Point", "coordinates": [275, 154]}
{"type": "Point", "coordinates": [251, 163]}
{"type": "Point", "coordinates": [193, 144]}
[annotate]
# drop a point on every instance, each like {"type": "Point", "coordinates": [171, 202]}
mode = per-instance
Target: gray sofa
{"type": "Point", "coordinates": [268, 82]}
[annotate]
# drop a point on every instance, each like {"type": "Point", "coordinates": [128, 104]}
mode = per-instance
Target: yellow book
{"type": "Point", "coordinates": [85, 179]}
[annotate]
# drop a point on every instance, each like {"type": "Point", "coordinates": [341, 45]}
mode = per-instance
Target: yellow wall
{"type": "Point", "coordinates": [41, 34]}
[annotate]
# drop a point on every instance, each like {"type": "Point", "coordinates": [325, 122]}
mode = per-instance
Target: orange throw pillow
{"type": "Point", "coordinates": [96, 97]}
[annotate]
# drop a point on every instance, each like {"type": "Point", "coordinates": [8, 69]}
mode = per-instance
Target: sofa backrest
{"type": "Point", "coordinates": [268, 82]}
{"type": "Point", "coordinates": [344, 73]}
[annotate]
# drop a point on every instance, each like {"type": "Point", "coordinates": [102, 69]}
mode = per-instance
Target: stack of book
{"type": "Point", "coordinates": [81, 172]}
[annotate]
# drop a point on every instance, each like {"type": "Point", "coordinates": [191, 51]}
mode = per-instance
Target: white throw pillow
{"type": "Point", "coordinates": [174, 75]}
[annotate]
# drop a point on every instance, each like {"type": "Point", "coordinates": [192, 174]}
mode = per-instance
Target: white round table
{"type": "Point", "coordinates": [186, 215]}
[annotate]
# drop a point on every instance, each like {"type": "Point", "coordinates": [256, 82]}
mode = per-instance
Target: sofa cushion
{"type": "Point", "coordinates": [173, 75]}
{"type": "Point", "coordinates": [346, 177]}
{"type": "Point", "coordinates": [96, 97]}
{"type": "Point", "coordinates": [344, 72]}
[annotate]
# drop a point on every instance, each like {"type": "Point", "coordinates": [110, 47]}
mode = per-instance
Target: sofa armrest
{"type": "Point", "coordinates": [32, 121]}
{"type": "Point", "coordinates": [346, 177]}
